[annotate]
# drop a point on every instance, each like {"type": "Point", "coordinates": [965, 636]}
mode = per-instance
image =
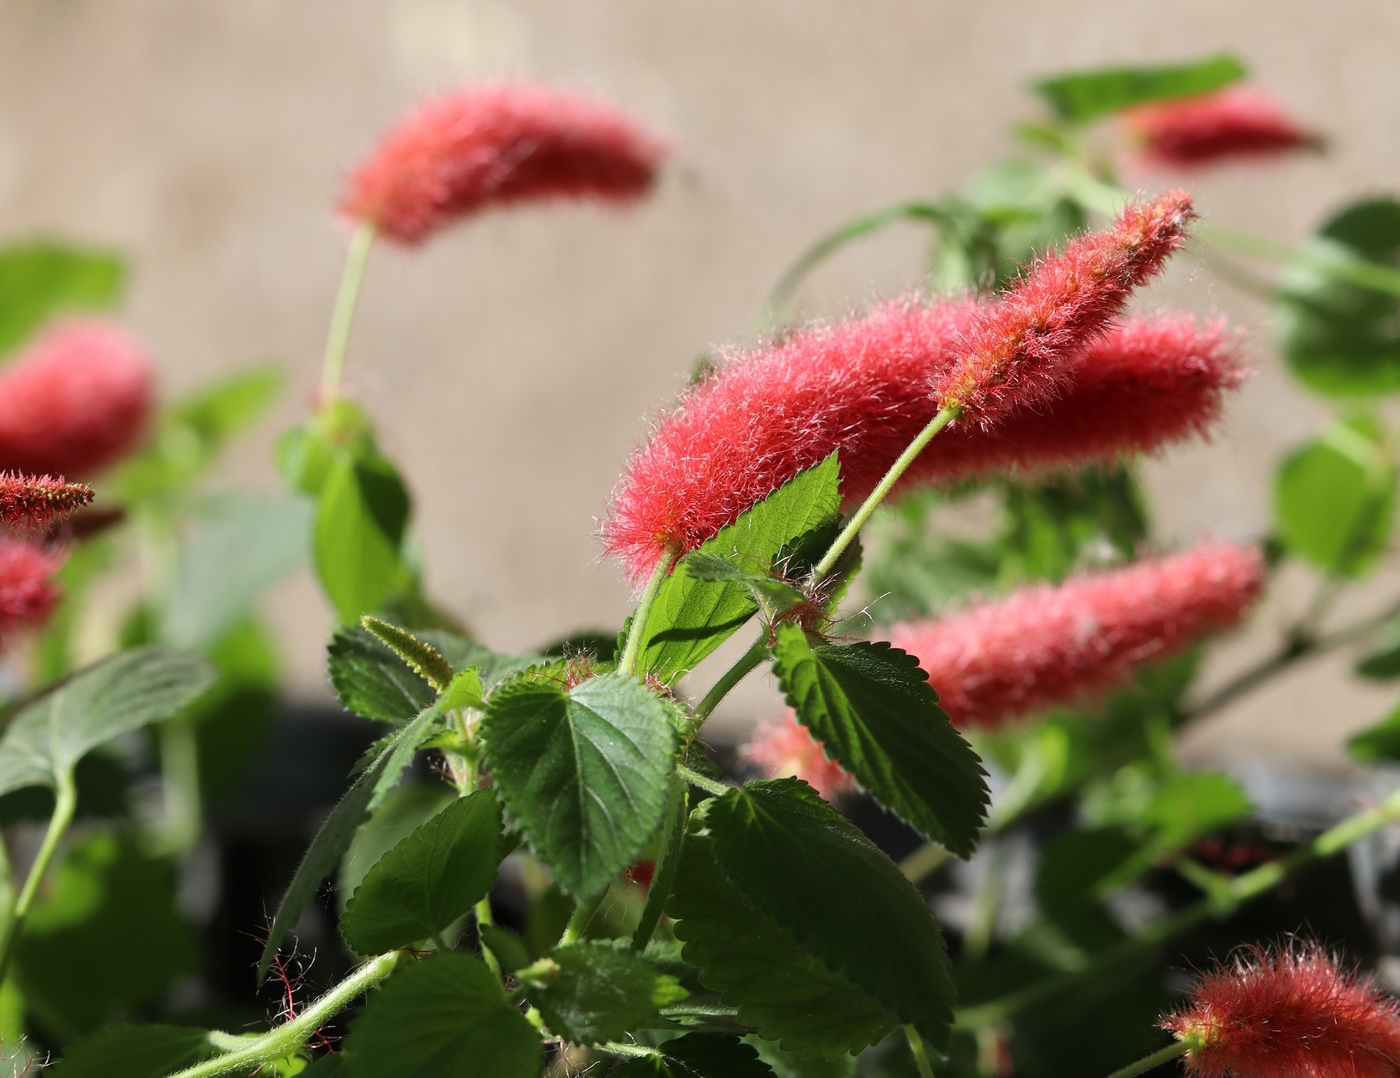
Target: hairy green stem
{"type": "Point", "coordinates": [667, 862]}
{"type": "Point", "coordinates": [1163, 1055]}
{"type": "Point", "coordinates": [752, 658]}
{"type": "Point", "coordinates": [916, 1046]}
{"type": "Point", "coordinates": [583, 913]}
{"type": "Point", "coordinates": [632, 1051]}
{"type": "Point", "coordinates": [65, 801]}
{"type": "Point", "coordinates": [333, 364]}
{"type": "Point", "coordinates": [886, 484]}
{"type": "Point", "coordinates": [282, 1041]}
{"type": "Point", "coordinates": [637, 634]}
{"type": "Point", "coordinates": [710, 786]}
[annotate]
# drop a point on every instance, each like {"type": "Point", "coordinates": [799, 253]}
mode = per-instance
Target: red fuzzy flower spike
{"type": "Point", "coordinates": [75, 401]}
{"type": "Point", "coordinates": [492, 145]}
{"type": "Point", "coordinates": [28, 594]}
{"type": "Point", "coordinates": [28, 501]}
{"type": "Point", "coordinates": [1293, 1014]}
{"type": "Point", "coordinates": [1015, 354]}
{"type": "Point", "coordinates": [1214, 127]}
{"type": "Point", "coordinates": [1045, 646]}
{"type": "Point", "coordinates": [783, 747]}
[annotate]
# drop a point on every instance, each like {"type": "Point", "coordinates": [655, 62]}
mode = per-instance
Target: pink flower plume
{"type": "Point", "coordinates": [489, 145]}
{"type": "Point", "coordinates": [75, 401]}
{"type": "Point", "coordinates": [858, 387]}
{"type": "Point", "coordinates": [28, 501]}
{"type": "Point", "coordinates": [1014, 354]}
{"type": "Point", "coordinates": [783, 747]}
{"type": "Point", "coordinates": [28, 594]}
{"type": "Point", "coordinates": [1214, 127]}
{"type": "Point", "coordinates": [1045, 646]}
{"type": "Point", "coordinates": [1289, 1014]}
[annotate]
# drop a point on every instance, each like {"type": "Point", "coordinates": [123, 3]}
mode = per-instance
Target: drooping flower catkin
{"type": "Point", "coordinates": [1288, 1014]}
{"type": "Point", "coordinates": [1234, 123]}
{"type": "Point", "coordinates": [75, 401]}
{"type": "Point", "coordinates": [488, 145]}
{"type": "Point", "coordinates": [858, 387]}
{"type": "Point", "coordinates": [1045, 646]}
{"type": "Point", "coordinates": [28, 594]}
{"type": "Point", "coordinates": [782, 746]}
{"type": "Point", "coordinates": [1013, 354]}
{"type": "Point", "coordinates": [29, 501]}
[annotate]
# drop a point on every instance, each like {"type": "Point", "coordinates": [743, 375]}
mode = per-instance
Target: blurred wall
{"type": "Point", "coordinates": [512, 363]}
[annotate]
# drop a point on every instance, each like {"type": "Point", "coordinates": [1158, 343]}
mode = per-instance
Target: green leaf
{"type": "Point", "coordinates": [109, 911]}
{"type": "Point", "coordinates": [443, 1017]}
{"type": "Point", "coordinates": [778, 987]}
{"type": "Point", "coordinates": [244, 545]}
{"type": "Point", "coordinates": [1379, 743]}
{"type": "Point", "coordinates": [583, 770]}
{"type": "Point", "coordinates": [1382, 658]}
{"type": "Point", "coordinates": [698, 1055]}
{"type": "Point", "coordinates": [1340, 336]}
{"type": "Point", "coordinates": [422, 658]}
{"type": "Point", "coordinates": [800, 861]}
{"type": "Point", "coordinates": [873, 709]}
{"type": "Point", "coordinates": [464, 690]}
{"type": "Point", "coordinates": [361, 515]}
{"type": "Point", "coordinates": [602, 992]}
{"type": "Point", "coordinates": [371, 680]}
{"type": "Point", "coordinates": [136, 1052]}
{"type": "Point", "coordinates": [769, 592]}
{"type": "Point", "coordinates": [130, 690]}
{"type": "Point", "coordinates": [1190, 805]}
{"type": "Point", "coordinates": [1087, 95]}
{"type": "Point", "coordinates": [690, 617]}
{"type": "Point", "coordinates": [401, 812]}
{"type": "Point", "coordinates": [510, 950]}
{"type": "Point", "coordinates": [40, 279]}
{"type": "Point", "coordinates": [336, 834]}
{"type": "Point", "coordinates": [1334, 499]}
{"type": "Point", "coordinates": [1073, 870]}
{"type": "Point", "coordinates": [428, 880]}
{"type": "Point", "coordinates": [230, 405]}
{"type": "Point", "coordinates": [787, 1065]}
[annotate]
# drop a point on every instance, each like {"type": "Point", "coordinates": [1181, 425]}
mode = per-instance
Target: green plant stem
{"type": "Point", "coordinates": [343, 315]}
{"type": "Point", "coordinates": [1219, 904]}
{"type": "Point", "coordinates": [583, 913]}
{"type": "Point", "coordinates": [886, 484]}
{"type": "Point", "coordinates": [65, 801]}
{"type": "Point", "coordinates": [281, 1041]}
{"type": "Point", "coordinates": [916, 1046]}
{"type": "Point", "coordinates": [752, 658]}
{"type": "Point", "coordinates": [924, 861]}
{"type": "Point", "coordinates": [667, 862]}
{"type": "Point", "coordinates": [483, 917]}
{"type": "Point", "coordinates": [637, 634]}
{"type": "Point", "coordinates": [710, 786]}
{"type": "Point", "coordinates": [1163, 1055]}
{"type": "Point", "coordinates": [632, 1051]}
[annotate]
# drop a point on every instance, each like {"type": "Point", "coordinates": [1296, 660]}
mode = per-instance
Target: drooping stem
{"type": "Point", "coordinates": [667, 862]}
{"type": "Point", "coordinates": [916, 1046]}
{"type": "Point", "coordinates": [1163, 1055]}
{"type": "Point", "coordinates": [65, 801]}
{"type": "Point", "coordinates": [637, 634]}
{"type": "Point", "coordinates": [731, 677]}
{"type": "Point", "coordinates": [898, 468]}
{"type": "Point", "coordinates": [333, 365]}
{"type": "Point", "coordinates": [282, 1041]}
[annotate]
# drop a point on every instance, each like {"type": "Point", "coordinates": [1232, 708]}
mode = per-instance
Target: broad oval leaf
{"type": "Point", "coordinates": [443, 1017]}
{"type": "Point", "coordinates": [371, 680]}
{"type": "Point", "coordinates": [361, 515]}
{"type": "Point", "coordinates": [813, 872]}
{"type": "Point", "coordinates": [40, 279]}
{"type": "Point", "coordinates": [692, 617]}
{"type": "Point", "coordinates": [602, 992]}
{"type": "Point", "coordinates": [136, 1052]}
{"type": "Point", "coordinates": [130, 690]}
{"type": "Point", "coordinates": [1087, 95]}
{"type": "Point", "coordinates": [698, 1055]}
{"type": "Point", "coordinates": [583, 770]}
{"type": "Point", "coordinates": [428, 880]}
{"type": "Point", "coordinates": [873, 709]}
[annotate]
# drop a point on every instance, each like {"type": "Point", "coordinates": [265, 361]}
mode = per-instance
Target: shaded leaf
{"type": "Point", "coordinates": [371, 680]}
{"type": "Point", "coordinates": [1379, 743]}
{"type": "Point", "coordinates": [136, 1052]}
{"type": "Point", "coordinates": [788, 1065]}
{"type": "Point", "coordinates": [583, 770]}
{"type": "Point", "coordinates": [1087, 95]}
{"type": "Point", "coordinates": [699, 1055]}
{"type": "Point", "coordinates": [873, 709]}
{"type": "Point", "coordinates": [1382, 658]}
{"type": "Point", "coordinates": [40, 279]}
{"type": "Point", "coordinates": [361, 513]}
{"type": "Point", "coordinates": [602, 992]}
{"type": "Point", "coordinates": [510, 950]}
{"type": "Point", "coordinates": [443, 1017]}
{"type": "Point", "coordinates": [401, 812]}
{"type": "Point", "coordinates": [1188, 806]}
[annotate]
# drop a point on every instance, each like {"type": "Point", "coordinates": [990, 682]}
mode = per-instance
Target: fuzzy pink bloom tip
{"type": "Point", "coordinates": [77, 400]}
{"type": "Point", "coordinates": [1045, 646]}
{"type": "Point", "coordinates": [1289, 1014]}
{"type": "Point", "coordinates": [28, 501]}
{"type": "Point", "coordinates": [783, 747]}
{"type": "Point", "coordinates": [28, 594]}
{"type": "Point", "coordinates": [487, 145]}
{"type": "Point", "coordinates": [1202, 130]}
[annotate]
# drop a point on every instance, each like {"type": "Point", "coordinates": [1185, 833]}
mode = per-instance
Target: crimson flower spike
{"type": "Point", "coordinates": [77, 400]}
{"type": "Point", "coordinates": [1288, 1014]}
{"type": "Point", "coordinates": [28, 594]}
{"type": "Point", "coordinates": [1203, 130]}
{"type": "Point", "coordinates": [782, 746]}
{"type": "Point", "coordinates": [1045, 646]}
{"type": "Point", "coordinates": [28, 501]}
{"type": "Point", "coordinates": [491, 145]}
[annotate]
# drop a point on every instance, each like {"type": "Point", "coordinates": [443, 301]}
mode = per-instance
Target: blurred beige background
{"type": "Point", "coordinates": [512, 363]}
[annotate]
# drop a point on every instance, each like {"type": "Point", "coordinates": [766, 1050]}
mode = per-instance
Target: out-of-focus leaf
{"type": "Point", "coordinates": [136, 1052]}
{"type": "Point", "coordinates": [361, 515]}
{"type": "Point", "coordinates": [1382, 658]}
{"type": "Point", "coordinates": [41, 278]}
{"type": "Point", "coordinates": [1379, 743]}
{"type": "Point", "coordinates": [1087, 95]}
{"type": "Point", "coordinates": [1191, 805]}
